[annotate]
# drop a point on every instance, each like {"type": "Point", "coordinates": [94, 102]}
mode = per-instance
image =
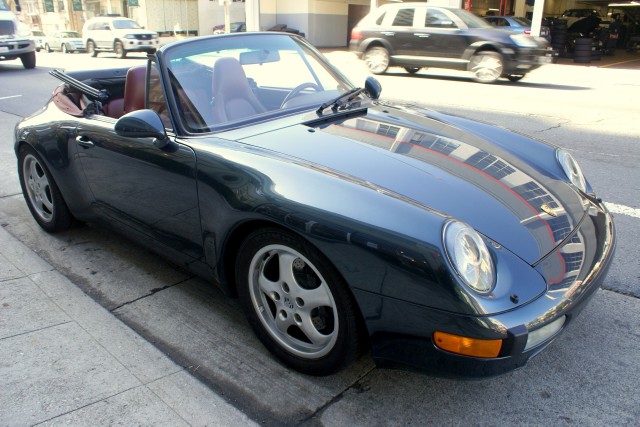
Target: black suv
{"type": "Point", "coordinates": [415, 35]}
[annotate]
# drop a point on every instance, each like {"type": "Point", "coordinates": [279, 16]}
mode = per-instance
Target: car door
{"type": "Point", "coordinates": [396, 28]}
{"type": "Point", "coordinates": [446, 41]}
{"type": "Point", "coordinates": [145, 188]}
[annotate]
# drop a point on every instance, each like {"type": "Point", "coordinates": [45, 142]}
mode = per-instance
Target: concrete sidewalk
{"type": "Point", "coordinates": [64, 359]}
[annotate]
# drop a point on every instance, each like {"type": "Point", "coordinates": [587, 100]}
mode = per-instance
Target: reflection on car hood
{"type": "Point", "coordinates": [447, 168]}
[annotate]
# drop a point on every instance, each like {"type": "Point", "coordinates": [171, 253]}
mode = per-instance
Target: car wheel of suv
{"type": "Point", "coordinates": [28, 60]}
{"type": "Point", "coordinates": [91, 49]}
{"type": "Point", "coordinates": [119, 50]}
{"type": "Point", "coordinates": [412, 70]}
{"type": "Point", "coordinates": [515, 77]}
{"type": "Point", "coordinates": [377, 59]}
{"type": "Point", "coordinates": [486, 66]}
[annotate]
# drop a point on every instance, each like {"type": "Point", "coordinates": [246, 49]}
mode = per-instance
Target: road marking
{"type": "Point", "coordinates": [8, 97]}
{"type": "Point", "coordinates": [624, 210]}
{"type": "Point", "coordinates": [618, 63]}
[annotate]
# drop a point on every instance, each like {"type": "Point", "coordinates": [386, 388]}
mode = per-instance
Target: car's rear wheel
{"type": "Point", "coordinates": [486, 66]}
{"type": "Point", "coordinates": [412, 70]}
{"type": "Point", "coordinates": [296, 302]}
{"type": "Point", "coordinates": [41, 192]}
{"type": "Point", "coordinates": [515, 77]}
{"type": "Point", "coordinates": [91, 49]}
{"type": "Point", "coordinates": [377, 59]}
{"type": "Point", "coordinates": [28, 60]}
{"type": "Point", "coordinates": [119, 50]}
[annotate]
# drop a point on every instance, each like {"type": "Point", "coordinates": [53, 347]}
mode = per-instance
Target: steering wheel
{"type": "Point", "coordinates": [296, 91]}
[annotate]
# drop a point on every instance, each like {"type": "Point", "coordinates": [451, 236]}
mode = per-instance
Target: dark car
{"type": "Point", "coordinates": [416, 35]}
{"type": "Point", "coordinates": [342, 222]}
{"type": "Point", "coordinates": [516, 24]}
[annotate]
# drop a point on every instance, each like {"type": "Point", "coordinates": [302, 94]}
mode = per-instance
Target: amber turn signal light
{"type": "Point", "coordinates": [467, 346]}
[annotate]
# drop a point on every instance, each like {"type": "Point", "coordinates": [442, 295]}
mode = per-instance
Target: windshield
{"type": "Point", "coordinates": [225, 80]}
{"type": "Point", "coordinates": [125, 24]}
{"type": "Point", "coordinates": [470, 20]}
{"type": "Point", "coordinates": [70, 34]}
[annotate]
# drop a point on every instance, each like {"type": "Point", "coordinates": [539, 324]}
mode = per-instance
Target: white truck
{"type": "Point", "coordinates": [14, 43]}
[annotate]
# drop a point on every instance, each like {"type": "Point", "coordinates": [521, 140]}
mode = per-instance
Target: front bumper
{"type": "Point", "coordinates": [136, 45]}
{"type": "Point", "coordinates": [12, 49]}
{"type": "Point", "coordinates": [573, 272]}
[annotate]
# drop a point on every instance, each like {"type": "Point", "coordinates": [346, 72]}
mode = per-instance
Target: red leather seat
{"type": "Point", "coordinates": [134, 94]}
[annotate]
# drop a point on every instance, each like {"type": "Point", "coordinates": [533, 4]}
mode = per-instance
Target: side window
{"type": "Point", "coordinates": [380, 19]}
{"type": "Point", "coordinates": [438, 19]}
{"type": "Point", "coordinates": [156, 100]}
{"type": "Point", "coordinates": [404, 18]}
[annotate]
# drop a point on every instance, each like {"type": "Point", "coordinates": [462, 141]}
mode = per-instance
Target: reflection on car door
{"type": "Point", "coordinates": [149, 189]}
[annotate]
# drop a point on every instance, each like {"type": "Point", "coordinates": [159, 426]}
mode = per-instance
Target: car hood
{"type": "Point", "coordinates": [472, 172]}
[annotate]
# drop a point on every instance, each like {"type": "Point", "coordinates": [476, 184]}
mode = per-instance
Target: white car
{"type": "Point", "coordinates": [64, 41]}
{"type": "Point", "coordinates": [117, 34]}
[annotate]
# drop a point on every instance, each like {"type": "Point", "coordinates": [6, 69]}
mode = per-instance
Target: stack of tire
{"type": "Point", "coordinates": [582, 52]}
{"type": "Point", "coordinates": [559, 37]}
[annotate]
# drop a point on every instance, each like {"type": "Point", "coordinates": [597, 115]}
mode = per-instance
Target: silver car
{"type": "Point", "coordinates": [64, 41]}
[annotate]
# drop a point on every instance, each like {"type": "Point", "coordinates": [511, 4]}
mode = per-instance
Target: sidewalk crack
{"type": "Point", "coordinates": [151, 292]}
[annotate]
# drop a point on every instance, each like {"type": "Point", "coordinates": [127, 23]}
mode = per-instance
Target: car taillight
{"type": "Point", "coordinates": [527, 32]}
{"type": "Point", "coordinates": [356, 34]}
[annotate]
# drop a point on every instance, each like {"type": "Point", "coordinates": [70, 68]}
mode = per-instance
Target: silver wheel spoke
{"type": "Point", "coordinates": [316, 338]}
{"type": "Point", "coordinates": [317, 297]}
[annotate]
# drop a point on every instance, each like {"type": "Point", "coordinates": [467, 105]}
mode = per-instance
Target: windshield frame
{"type": "Point", "coordinates": [165, 54]}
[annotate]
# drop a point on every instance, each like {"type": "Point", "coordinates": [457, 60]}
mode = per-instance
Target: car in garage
{"type": "Point", "coordinates": [343, 222]}
{"type": "Point", "coordinates": [417, 35]}
{"type": "Point", "coordinates": [516, 24]}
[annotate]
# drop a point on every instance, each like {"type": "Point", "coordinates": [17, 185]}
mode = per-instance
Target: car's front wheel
{"type": "Point", "coordinates": [41, 192]}
{"type": "Point", "coordinates": [119, 50]}
{"type": "Point", "coordinates": [91, 49]}
{"type": "Point", "coordinates": [486, 66]}
{"type": "Point", "coordinates": [28, 60]}
{"type": "Point", "coordinates": [377, 59]}
{"type": "Point", "coordinates": [296, 302]}
{"type": "Point", "coordinates": [515, 77]}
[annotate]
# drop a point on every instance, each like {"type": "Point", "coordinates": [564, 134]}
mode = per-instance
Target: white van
{"type": "Point", "coordinates": [117, 34]}
{"type": "Point", "coordinates": [14, 43]}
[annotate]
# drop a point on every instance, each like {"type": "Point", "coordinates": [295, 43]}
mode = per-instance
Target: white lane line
{"type": "Point", "coordinates": [624, 210]}
{"type": "Point", "coordinates": [9, 97]}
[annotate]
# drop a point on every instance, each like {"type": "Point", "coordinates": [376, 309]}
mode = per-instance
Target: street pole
{"type": "Point", "coordinates": [536, 19]}
{"type": "Point", "coordinates": [227, 19]}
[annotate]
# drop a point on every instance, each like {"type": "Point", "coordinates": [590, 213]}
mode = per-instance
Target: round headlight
{"type": "Point", "coordinates": [469, 256]}
{"type": "Point", "coordinates": [572, 169]}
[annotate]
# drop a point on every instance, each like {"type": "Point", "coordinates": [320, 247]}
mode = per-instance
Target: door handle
{"type": "Point", "coordinates": [421, 35]}
{"type": "Point", "coordinates": [84, 141]}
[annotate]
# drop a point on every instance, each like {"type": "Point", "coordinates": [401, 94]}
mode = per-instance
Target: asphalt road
{"type": "Point", "coordinates": [589, 376]}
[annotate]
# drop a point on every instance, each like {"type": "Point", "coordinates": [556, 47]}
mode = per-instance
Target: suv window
{"type": "Point", "coordinates": [438, 19]}
{"type": "Point", "coordinates": [380, 19]}
{"type": "Point", "coordinates": [404, 18]}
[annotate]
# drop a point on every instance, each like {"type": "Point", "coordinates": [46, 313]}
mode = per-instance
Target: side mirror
{"type": "Point", "coordinates": [372, 88]}
{"type": "Point", "coordinates": [143, 124]}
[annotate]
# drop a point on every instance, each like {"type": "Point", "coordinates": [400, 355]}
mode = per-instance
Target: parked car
{"type": "Point", "coordinates": [235, 27]}
{"type": "Point", "coordinates": [342, 222]}
{"type": "Point", "coordinates": [415, 35]}
{"type": "Point", "coordinates": [65, 41]}
{"type": "Point", "coordinates": [574, 15]}
{"type": "Point", "coordinates": [38, 38]}
{"type": "Point", "coordinates": [119, 35]}
{"type": "Point", "coordinates": [517, 24]}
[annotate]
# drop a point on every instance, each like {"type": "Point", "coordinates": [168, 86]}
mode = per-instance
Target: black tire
{"type": "Point", "coordinates": [47, 48]}
{"type": "Point", "coordinates": [91, 49]}
{"type": "Point", "coordinates": [377, 59]}
{"type": "Point", "coordinates": [41, 192]}
{"type": "Point", "coordinates": [28, 60]}
{"type": "Point", "coordinates": [313, 339]}
{"type": "Point", "coordinates": [486, 66]}
{"type": "Point", "coordinates": [412, 70]}
{"type": "Point", "coordinates": [119, 50]}
{"type": "Point", "coordinates": [515, 77]}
